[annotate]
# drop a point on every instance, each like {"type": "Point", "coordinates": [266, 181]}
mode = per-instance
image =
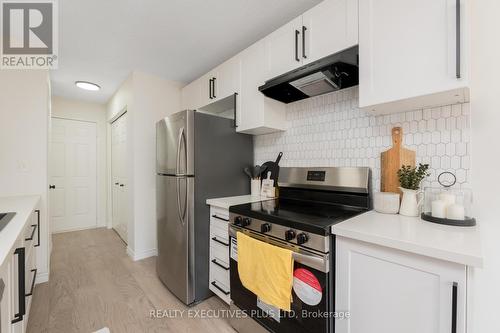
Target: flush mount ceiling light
{"type": "Point", "coordinates": [87, 85]}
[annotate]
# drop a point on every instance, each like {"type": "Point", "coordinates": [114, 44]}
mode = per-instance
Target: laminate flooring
{"type": "Point", "coordinates": [94, 284]}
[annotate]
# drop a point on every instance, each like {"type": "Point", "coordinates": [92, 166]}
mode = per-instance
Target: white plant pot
{"type": "Point", "coordinates": [410, 204]}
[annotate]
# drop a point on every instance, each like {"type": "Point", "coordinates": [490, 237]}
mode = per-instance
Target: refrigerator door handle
{"type": "Point", "coordinates": [180, 139]}
{"type": "Point", "coordinates": [179, 205]}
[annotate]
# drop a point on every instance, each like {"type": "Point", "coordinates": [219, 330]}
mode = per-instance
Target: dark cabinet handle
{"type": "Point", "coordinates": [37, 227]}
{"type": "Point", "coordinates": [304, 42]}
{"type": "Point", "coordinates": [220, 218]}
{"type": "Point", "coordinates": [454, 295]}
{"type": "Point", "coordinates": [51, 187]}
{"type": "Point", "coordinates": [234, 109]}
{"type": "Point", "coordinates": [210, 88]}
{"type": "Point", "coordinates": [458, 40]}
{"type": "Point", "coordinates": [34, 271]}
{"type": "Point", "coordinates": [117, 183]}
{"type": "Point", "coordinates": [34, 226]}
{"type": "Point", "coordinates": [20, 285]}
{"type": "Point", "coordinates": [222, 290]}
{"type": "Point", "coordinates": [215, 239]}
{"type": "Point", "coordinates": [121, 185]}
{"type": "Point", "coordinates": [297, 33]}
{"type": "Point", "coordinates": [220, 265]}
{"type": "Point", "coordinates": [213, 87]}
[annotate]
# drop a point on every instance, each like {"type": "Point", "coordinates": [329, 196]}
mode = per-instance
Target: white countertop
{"type": "Point", "coordinates": [23, 206]}
{"type": "Point", "coordinates": [233, 201]}
{"type": "Point", "coordinates": [457, 244]}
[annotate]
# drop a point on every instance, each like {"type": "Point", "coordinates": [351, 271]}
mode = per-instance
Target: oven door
{"type": "Point", "coordinates": [312, 294]}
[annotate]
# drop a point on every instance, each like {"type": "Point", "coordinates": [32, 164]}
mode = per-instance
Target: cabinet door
{"type": "Point", "coordinates": [328, 28]}
{"type": "Point", "coordinates": [407, 49]}
{"type": "Point", "coordinates": [191, 95]}
{"type": "Point", "coordinates": [392, 291]}
{"type": "Point", "coordinates": [227, 78]}
{"type": "Point", "coordinates": [284, 48]}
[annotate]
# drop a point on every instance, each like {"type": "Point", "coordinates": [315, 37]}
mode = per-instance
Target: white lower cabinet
{"type": "Point", "coordinates": [391, 291]}
{"type": "Point", "coordinates": [219, 253]}
{"type": "Point", "coordinates": [18, 274]}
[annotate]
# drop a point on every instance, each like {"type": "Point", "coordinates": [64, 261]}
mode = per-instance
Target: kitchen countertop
{"type": "Point", "coordinates": [411, 234]}
{"type": "Point", "coordinates": [233, 201]}
{"type": "Point", "coordinates": [23, 206]}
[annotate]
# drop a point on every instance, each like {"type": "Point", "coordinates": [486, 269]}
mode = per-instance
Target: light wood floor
{"type": "Point", "coordinates": [94, 284]}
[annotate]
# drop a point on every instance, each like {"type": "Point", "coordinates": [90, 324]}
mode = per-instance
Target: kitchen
{"type": "Point", "coordinates": [331, 103]}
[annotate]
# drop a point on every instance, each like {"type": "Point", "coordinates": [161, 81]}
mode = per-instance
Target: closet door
{"type": "Point", "coordinates": [119, 175]}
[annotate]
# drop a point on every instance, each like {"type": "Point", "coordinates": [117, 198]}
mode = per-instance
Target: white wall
{"type": "Point", "coordinates": [147, 99]}
{"type": "Point", "coordinates": [24, 128]}
{"type": "Point", "coordinates": [92, 112]}
{"type": "Point", "coordinates": [485, 140]}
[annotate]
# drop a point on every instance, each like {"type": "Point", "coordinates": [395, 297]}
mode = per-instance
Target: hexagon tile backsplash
{"type": "Point", "coordinates": [330, 130]}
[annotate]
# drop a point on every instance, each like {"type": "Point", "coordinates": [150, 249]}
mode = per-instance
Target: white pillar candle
{"type": "Point", "coordinates": [448, 198]}
{"type": "Point", "coordinates": [455, 212]}
{"type": "Point", "coordinates": [438, 208]}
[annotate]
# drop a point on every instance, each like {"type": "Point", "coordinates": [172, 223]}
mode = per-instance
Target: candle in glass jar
{"type": "Point", "coordinates": [455, 212]}
{"type": "Point", "coordinates": [438, 208]}
{"type": "Point", "coordinates": [448, 198]}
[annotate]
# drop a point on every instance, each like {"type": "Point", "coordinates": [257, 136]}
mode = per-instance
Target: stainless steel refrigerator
{"type": "Point", "coordinates": [199, 156]}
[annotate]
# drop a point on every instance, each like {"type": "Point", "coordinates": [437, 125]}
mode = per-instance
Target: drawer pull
{"type": "Point", "coordinates": [220, 218]}
{"type": "Point", "coordinates": [34, 226]}
{"type": "Point", "coordinates": [219, 241]}
{"type": "Point", "coordinates": [222, 290]}
{"type": "Point", "coordinates": [32, 282]}
{"type": "Point", "coordinates": [220, 265]}
{"type": "Point", "coordinates": [38, 228]}
{"type": "Point", "coordinates": [20, 285]}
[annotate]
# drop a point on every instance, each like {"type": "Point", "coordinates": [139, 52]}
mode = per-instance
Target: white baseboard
{"type": "Point", "coordinates": [135, 256]}
{"type": "Point", "coordinates": [41, 278]}
{"type": "Point", "coordinates": [60, 231]}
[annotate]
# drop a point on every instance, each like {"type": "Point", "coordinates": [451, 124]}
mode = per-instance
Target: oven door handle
{"type": "Point", "coordinates": [321, 264]}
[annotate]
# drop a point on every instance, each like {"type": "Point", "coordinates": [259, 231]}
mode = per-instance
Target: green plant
{"type": "Point", "coordinates": [410, 177]}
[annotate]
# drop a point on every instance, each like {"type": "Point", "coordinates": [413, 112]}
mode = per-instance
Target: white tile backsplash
{"type": "Point", "coordinates": [330, 130]}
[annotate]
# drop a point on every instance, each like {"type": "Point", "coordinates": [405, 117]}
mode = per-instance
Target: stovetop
{"type": "Point", "coordinates": [309, 216]}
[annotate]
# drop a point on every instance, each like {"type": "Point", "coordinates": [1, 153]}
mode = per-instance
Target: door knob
{"type": "Point", "coordinates": [51, 187]}
{"type": "Point", "coordinates": [121, 185]}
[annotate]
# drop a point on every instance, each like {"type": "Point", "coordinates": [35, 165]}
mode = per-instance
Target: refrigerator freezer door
{"type": "Point", "coordinates": [175, 217]}
{"type": "Point", "coordinates": [175, 144]}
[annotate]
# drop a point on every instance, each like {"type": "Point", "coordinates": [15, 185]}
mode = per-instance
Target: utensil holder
{"type": "Point", "coordinates": [255, 187]}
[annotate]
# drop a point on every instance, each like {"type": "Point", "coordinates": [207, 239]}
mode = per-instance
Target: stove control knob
{"type": "Point", "coordinates": [289, 235]}
{"type": "Point", "coordinates": [302, 238]}
{"type": "Point", "coordinates": [237, 220]}
{"type": "Point", "coordinates": [266, 227]}
{"type": "Point", "coordinates": [246, 221]}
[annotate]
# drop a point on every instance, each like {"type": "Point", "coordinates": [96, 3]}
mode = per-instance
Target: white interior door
{"type": "Point", "coordinates": [73, 175]}
{"type": "Point", "coordinates": [119, 175]}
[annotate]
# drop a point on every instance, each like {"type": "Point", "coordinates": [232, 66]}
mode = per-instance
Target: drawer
{"type": "Point", "coordinates": [221, 213]}
{"type": "Point", "coordinates": [219, 252]}
{"type": "Point", "coordinates": [219, 230]}
{"type": "Point", "coordinates": [30, 272]}
{"type": "Point", "coordinates": [220, 274]}
{"type": "Point", "coordinates": [218, 243]}
{"type": "Point", "coordinates": [219, 284]}
{"type": "Point", "coordinates": [30, 235]}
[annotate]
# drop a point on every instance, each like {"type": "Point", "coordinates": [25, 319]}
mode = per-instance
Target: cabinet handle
{"type": "Point", "coordinates": [20, 285]}
{"type": "Point", "coordinates": [213, 87]}
{"type": "Point", "coordinates": [454, 307]}
{"type": "Point", "coordinates": [297, 33]}
{"type": "Point", "coordinates": [34, 271]}
{"type": "Point", "coordinates": [304, 42]}
{"type": "Point", "coordinates": [235, 106]}
{"type": "Point", "coordinates": [215, 239]}
{"type": "Point", "coordinates": [210, 88]}
{"type": "Point", "coordinates": [458, 40]}
{"type": "Point", "coordinates": [121, 185]}
{"type": "Point", "coordinates": [51, 187]}
{"type": "Point", "coordinates": [220, 265]}
{"type": "Point", "coordinates": [38, 227]}
{"type": "Point", "coordinates": [222, 290]}
{"type": "Point", "coordinates": [117, 183]}
{"type": "Point", "coordinates": [34, 226]}
{"type": "Point", "coordinates": [220, 218]}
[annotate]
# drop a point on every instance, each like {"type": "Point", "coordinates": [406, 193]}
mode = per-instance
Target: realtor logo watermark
{"type": "Point", "coordinates": [29, 34]}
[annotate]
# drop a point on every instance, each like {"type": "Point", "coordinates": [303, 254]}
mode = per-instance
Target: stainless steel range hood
{"type": "Point", "coordinates": [335, 72]}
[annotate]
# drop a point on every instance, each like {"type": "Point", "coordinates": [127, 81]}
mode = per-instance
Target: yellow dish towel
{"type": "Point", "coordinates": [266, 270]}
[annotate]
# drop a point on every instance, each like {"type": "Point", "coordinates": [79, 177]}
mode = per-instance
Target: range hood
{"type": "Point", "coordinates": [335, 72]}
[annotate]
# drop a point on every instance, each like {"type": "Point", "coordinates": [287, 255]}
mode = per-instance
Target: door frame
{"type": "Point", "coordinates": [48, 171]}
{"type": "Point", "coordinates": [109, 168]}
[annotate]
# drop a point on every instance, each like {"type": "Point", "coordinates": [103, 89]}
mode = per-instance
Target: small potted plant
{"type": "Point", "coordinates": [409, 181]}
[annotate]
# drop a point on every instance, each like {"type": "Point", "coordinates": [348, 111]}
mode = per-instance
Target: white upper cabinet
{"type": "Point", "coordinates": [227, 78]}
{"type": "Point", "coordinates": [328, 28]}
{"type": "Point", "coordinates": [191, 95]}
{"type": "Point", "coordinates": [284, 48]}
{"type": "Point", "coordinates": [392, 291]}
{"type": "Point", "coordinates": [257, 114]}
{"type": "Point", "coordinates": [408, 55]}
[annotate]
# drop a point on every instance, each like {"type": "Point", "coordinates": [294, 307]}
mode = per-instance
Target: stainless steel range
{"type": "Point", "coordinates": [311, 201]}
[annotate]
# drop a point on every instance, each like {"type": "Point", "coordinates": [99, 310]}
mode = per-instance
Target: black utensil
{"type": "Point", "coordinates": [248, 173]}
{"type": "Point", "coordinates": [274, 168]}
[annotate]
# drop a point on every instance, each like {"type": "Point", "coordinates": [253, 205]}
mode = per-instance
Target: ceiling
{"type": "Point", "coordinates": [103, 41]}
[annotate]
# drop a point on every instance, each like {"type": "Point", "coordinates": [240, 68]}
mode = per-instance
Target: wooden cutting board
{"type": "Point", "coordinates": [392, 160]}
